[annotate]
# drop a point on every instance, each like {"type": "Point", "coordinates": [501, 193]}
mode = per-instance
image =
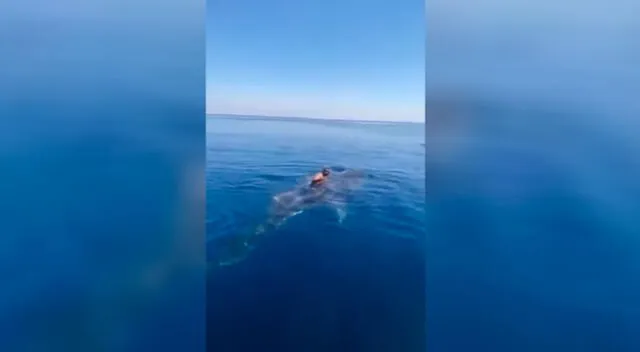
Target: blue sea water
{"type": "Point", "coordinates": [317, 284]}
{"type": "Point", "coordinates": [533, 238]}
{"type": "Point", "coordinates": [517, 232]}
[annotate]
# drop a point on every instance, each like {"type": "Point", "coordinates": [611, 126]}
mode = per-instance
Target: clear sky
{"type": "Point", "coordinates": [357, 59]}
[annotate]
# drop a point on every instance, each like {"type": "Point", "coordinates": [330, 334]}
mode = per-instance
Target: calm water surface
{"type": "Point", "coordinates": [316, 284]}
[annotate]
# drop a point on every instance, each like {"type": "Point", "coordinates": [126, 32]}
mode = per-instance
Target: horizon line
{"type": "Point", "coordinates": [312, 118]}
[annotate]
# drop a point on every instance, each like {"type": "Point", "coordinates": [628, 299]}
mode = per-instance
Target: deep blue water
{"type": "Point", "coordinates": [533, 234]}
{"type": "Point", "coordinates": [525, 237]}
{"type": "Point", "coordinates": [316, 284]}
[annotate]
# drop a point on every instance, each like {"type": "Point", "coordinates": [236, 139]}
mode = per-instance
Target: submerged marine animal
{"type": "Point", "coordinates": [332, 192]}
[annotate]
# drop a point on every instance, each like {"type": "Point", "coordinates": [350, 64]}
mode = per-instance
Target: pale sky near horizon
{"type": "Point", "coordinates": [366, 59]}
{"type": "Point", "coordinates": [352, 59]}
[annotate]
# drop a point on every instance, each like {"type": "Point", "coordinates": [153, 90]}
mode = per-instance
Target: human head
{"type": "Point", "coordinates": [325, 171]}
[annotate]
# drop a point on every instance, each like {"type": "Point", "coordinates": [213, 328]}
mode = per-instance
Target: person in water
{"type": "Point", "coordinates": [320, 177]}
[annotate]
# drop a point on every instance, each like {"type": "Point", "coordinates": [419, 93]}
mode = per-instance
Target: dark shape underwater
{"type": "Point", "coordinates": [334, 192]}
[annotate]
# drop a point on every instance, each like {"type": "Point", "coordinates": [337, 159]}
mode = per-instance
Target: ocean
{"type": "Point", "coordinates": [315, 283]}
{"type": "Point", "coordinates": [533, 239]}
{"type": "Point", "coordinates": [517, 231]}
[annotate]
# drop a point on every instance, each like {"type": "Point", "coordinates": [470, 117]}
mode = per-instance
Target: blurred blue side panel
{"type": "Point", "coordinates": [101, 175]}
{"type": "Point", "coordinates": [533, 191]}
